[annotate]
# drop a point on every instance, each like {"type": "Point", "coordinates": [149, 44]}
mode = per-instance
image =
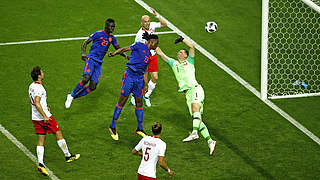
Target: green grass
{"type": "Point", "coordinates": [254, 142]}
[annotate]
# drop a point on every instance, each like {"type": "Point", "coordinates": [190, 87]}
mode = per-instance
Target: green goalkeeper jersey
{"type": "Point", "coordinates": [184, 72]}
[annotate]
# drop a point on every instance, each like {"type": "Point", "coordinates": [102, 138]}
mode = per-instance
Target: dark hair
{"type": "Point", "coordinates": [156, 128]}
{"type": "Point", "coordinates": [36, 71]}
{"type": "Point", "coordinates": [153, 36]}
{"type": "Point", "coordinates": [187, 52]}
{"type": "Point", "coordinates": [108, 21]}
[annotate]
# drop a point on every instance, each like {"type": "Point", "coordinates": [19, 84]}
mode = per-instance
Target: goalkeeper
{"type": "Point", "coordinates": [184, 71]}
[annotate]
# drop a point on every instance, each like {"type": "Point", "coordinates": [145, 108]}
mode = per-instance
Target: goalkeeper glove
{"type": "Point", "coordinates": [179, 39]}
{"type": "Point", "coordinates": [145, 36]}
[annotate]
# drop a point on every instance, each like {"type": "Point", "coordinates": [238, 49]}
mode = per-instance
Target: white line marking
{"type": "Point", "coordinates": [25, 150]}
{"type": "Point", "coordinates": [71, 39]}
{"type": "Point", "coordinates": [236, 77]}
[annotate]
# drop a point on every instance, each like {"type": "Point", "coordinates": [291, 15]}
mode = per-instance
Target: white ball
{"type": "Point", "coordinates": [211, 27]}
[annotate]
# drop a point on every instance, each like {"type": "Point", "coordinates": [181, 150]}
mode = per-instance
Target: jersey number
{"type": "Point", "coordinates": [105, 43]}
{"type": "Point", "coordinates": [146, 154]}
{"type": "Point", "coordinates": [146, 59]}
{"type": "Point", "coordinates": [31, 100]}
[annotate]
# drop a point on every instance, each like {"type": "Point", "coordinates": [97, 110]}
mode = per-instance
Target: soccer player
{"type": "Point", "coordinates": [43, 120]}
{"type": "Point", "coordinates": [149, 27]}
{"type": "Point", "coordinates": [184, 71]}
{"type": "Point", "coordinates": [153, 150]}
{"type": "Point", "coordinates": [133, 81]}
{"type": "Point", "coordinates": [101, 41]}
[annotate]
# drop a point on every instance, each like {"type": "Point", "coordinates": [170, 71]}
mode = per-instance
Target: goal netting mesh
{"type": "Point", "coordinates": [293, 49]}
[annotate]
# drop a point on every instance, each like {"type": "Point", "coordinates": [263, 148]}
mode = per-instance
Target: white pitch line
{"type": "Point", "coordinates": [71, 39]}
{"type": "Point", "coordinates": [25, 150]}
{"type": "Point", "coordinates": [236, 77]}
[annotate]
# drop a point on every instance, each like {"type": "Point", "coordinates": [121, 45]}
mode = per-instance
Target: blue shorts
{"type": "Point", "coordinates": [132, 82]}
{"type": "Point", "coordinates": [93, 68]}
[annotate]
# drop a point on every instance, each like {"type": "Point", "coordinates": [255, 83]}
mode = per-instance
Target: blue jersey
{"type": "Point", "coordinates": [140, 57]}
{"type": "Point", "coordinates": [100, 45]}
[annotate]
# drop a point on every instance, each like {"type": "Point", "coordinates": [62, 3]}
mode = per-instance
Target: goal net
{"type": "Point", "coordinates": [290, 57]}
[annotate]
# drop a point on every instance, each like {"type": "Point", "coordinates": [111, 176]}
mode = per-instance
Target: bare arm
{"type": "Point", "coordinates": [145, 79]}
{"type": "Point", "coordinates": [161, 54]}
{"type": "Point", "coordinates": [162, 22]}
{"type": "Point", "coordinates": [191, 46]}
{"type": "Point", "coordinates": [164, 165]}
{"type": "Point", "coordinates": [122, 54]}
{"type": "Point", "coordinates": [135, 152]}
{"type": "Point", "coordinates": [39, 108]}
{"type": "Point", "coordinates": [84, 48]}
{"type": "Point", "coordinates": [119, 51]}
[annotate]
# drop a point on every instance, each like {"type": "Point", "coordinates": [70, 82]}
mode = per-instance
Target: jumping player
{"type": "Point", "coordinates": [101, 41]}
{"type": "Point", "coordinates": [153, 150]}
{"type": "Point", "coordinates": [43, 120]}
{"type": "Point", "coordinates": [149, 27]}
{"type": "Point", "coordinates": [132, 80]}
{"type": "Point", "coordinates": [184, 72]}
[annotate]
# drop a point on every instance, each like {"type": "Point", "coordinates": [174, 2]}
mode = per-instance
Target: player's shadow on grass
{"type": "Point", "coordinates": [240, 153]}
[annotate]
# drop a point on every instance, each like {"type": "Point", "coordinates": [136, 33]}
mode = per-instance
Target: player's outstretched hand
{"type": "Point", "coordinates": [153, 12]}
{"type": "Point", "coordinates": [84, 57]}
{"type": "Point", "coordinates": [127, 57]}
{"type": "Point", "coordinates": [145, 36]}
{"type": "Point", "coordinates": [171, 173]}
{"type": "Point", "coordinates": [111, 54]}
{"type": "Point", "coordinates": [179, 39]}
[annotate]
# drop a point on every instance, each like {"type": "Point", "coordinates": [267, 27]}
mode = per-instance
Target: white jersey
{"type": "Point", "coordinates": [152, 29]}
{"type": "Point", "coordinates": [36, 89]}
{"type": "Point", "coordinates": [152, 147]}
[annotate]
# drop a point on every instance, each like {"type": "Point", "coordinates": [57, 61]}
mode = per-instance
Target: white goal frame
{"type": "Point", "coordinates": [264, 51]}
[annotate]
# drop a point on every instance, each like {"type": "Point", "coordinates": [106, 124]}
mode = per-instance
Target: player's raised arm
{"type": "Point", "coordinates": [162, 21]}
{"type": "Point", "coordinates": [161, 54]}
{"type": "Point", "coordinates": [188, 43]}
{"type": "Point", "coordinates": [39, 108]}
{"type": "Point", "coordinates": [119, 51]}
{"type": "Point", "coordinates": [164, 165]}
{"type": "Point", "coordinates": [84, 48]}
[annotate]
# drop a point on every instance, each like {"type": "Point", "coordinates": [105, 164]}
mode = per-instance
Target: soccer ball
{"type": "Point", "coordinates": [211, 27]}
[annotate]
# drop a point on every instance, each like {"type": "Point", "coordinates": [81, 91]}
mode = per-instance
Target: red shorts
{"type": "Point", "coordinates": [153, 66]}
{"type": "Point", "coordinates": [142, 177]}
{"type": "Point", "coordinates": [42, 128]}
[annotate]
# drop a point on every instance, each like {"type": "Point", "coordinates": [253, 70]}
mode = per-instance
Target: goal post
{"type": "Point", "coordinates": [290, 49]}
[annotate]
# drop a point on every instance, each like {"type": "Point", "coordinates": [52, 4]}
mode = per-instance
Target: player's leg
{"type": "Point", "coordinates": [125, 90]}
{"type": "Point", "coordinates": [94, 73]}
{"type": "Point", "coordinates": [54, 128]}
{"type": "Point", "coordinates": [40, 154]}
{"type": "Point", "coordinates": [138, 89]}
{"type": "Point", "coordinates": [153, 70]}
{"type": "Point", "coordinates": [80, 87]}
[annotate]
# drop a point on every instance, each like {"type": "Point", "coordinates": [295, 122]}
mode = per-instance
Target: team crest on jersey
{"type": "Point", "coordinates": [110, 39]}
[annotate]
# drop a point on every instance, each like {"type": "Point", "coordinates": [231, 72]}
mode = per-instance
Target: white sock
{"type": "Point", "coordinates": [151, 86]}
{"type": "Point", "coordinates": [40, 153]}
{"type": "Point", "coordinates": [63, 145]}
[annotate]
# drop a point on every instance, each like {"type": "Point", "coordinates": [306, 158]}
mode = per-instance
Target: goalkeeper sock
{"type": "Point", "coordinates": [196, 121]}
{"type": "Point", "coordinates": [204, 131]}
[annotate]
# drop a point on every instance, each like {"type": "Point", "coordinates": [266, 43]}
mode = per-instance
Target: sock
{"type": "Point", "coordinates": [204, 131]}
{"type": "Point", "coordinates": [151, 86]}
{"type": "Point", "coordinates": [139, 114]}
{"type": "Point", "coordinates": [63, 145]}
{"type": "Point", "coordinates": [84, 92]}
{"type": "Point", "coordinates": [196, 121]}
{"type": "Point", "coordinates": [40, 154]}
{"type": "Point", "coordinates": [78, 87]}
{"type": "Point", "coordinates": [116, 114]}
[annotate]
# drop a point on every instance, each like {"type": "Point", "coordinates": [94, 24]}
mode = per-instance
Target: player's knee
{"type": "Point", "coordinates": [85, 79]}
{"type": "Point", "coordinates": [92, 85]}
{"type": "Point", "coordinates": [139, 102]}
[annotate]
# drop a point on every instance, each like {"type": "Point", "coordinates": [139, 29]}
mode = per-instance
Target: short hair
{"type": "Point", "coordinates": [153, 36]}
{"type": "Point", "coordinates": [36, 71]}
{"type": "Point", "coordinates": [109, 20]}
{"type": "Point", "coordinates": [187, 52]}
{"type": "Point", "coordinates": [156, 128]}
